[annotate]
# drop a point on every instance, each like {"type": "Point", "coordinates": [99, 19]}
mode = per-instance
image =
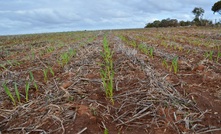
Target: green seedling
{"type": "Point", "coordinates": [188, 51]}
{"type": "Point", "coordinates": [3, 66]}
{"type": "Point", "coordinates": [180, 48]}
{"type": "Point", "coordinates": [175, 64]}
{"type": "Point", "coordinates": [17, 93]}
{"type": "Point", "coordinates": [33, 55]}
{"type": "Point", "coordinates": [122, 38]}
{"type": "Point", "coordinates": [51, 71]}
{"type": "Point", "coordinates": [151, 52]}
{"type": "Point", "coordinates": [207, 44]}
{"type": "Point", "coordinates": [41, 53]}
{"type": "Point", "coordinates": [8, 92]}
{"type": "Point", "coordinates": [31, 76]}
{"type": "Point", "coordinates": [143, 48]}
{"type": "Point", "coordinates": [71, 52]}
{"type": "Point", "coordinates": [218, 56]}
{"type": "Point", "coordinates": [134, 44]}
{"type": "Point", "coordinates": [93, 111]}
{"type": "Point", "coordinates": [91, 39]}
{"type": "Point", "coordinates": [9, 62]}
{"type": "Point", "coordinates": [50, 49]}
{"type": "Point", "coordinates": [211, 55]}
{"type": "Point", "coordinates": [159, 36]}
{"type": "Point", "coordinates": [13, 62]}
{"type": "Point", "coordinates": [61, 45]}
{"type": "Point", "coordinates": [206, 55]}
{"type": "Point", "coordinates": [27, 87]}
{"type": "Point", "coordinates": [105, 131]}
{"type": "Point", "coordinates": [45, 72]}
{"type": "Point", "coordinates": [35, 85]}
{"type": "Point", "coordinates": [174, 47]}
{"type": "Point", "coordinates": [165, 63]}
{"type": "Point", "coordinates": [107, 71]}
{"type": "Point", "coordinates": [33, 81]}
{"type": "Point", "coordinates": [164, 44]}
{"type": "Point", "coordinates": [66, 57]}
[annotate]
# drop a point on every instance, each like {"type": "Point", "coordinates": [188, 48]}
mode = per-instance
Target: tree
{"type": "Point", "coordinates": [156, 23]}
{"type": "Point", "coordinates": [205, 22]}
{"type": "Point", "coordinates": [173, 23]}
{"type": "Point", "coordinates": [185, 23]}
{"type": "Point", "coordinates": [217, 7]}
{"type": "Point", "coordinates": [198, 12]}
{"type": "Point", "coordinates": [163, 23]}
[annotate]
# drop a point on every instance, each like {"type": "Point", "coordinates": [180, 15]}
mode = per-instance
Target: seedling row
{"type": "Point", "coordinates": [121, 81]}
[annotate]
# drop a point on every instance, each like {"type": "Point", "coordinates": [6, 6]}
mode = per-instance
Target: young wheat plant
{"type": "Point", "coordinates": [27, 86]}
{"type": "Point", "coordinates": [66, 57]}
{"type": "Point", "coordinates": [45, 72]}
{"type": "Point", "coordinates": [218, 56]}
{"type": "Point", "coordinates": [151, 52]}
{"type": "Point", "coordinates": [17, 93]}
{"type": "Point", "coordinates": [8, 92]}
{"type": "Point", "coordinates": [33, 81]}
{"type": "Point", "coordinates": [175, 64]}
{"type": "Point", "coordinates": [107, 71]}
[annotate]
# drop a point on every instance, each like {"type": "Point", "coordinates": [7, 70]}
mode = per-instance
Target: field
{"type": "Point", "coordinates": [165, 80]}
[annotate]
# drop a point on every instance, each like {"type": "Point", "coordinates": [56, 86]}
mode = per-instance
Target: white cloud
{"type": "Point", "coordinates": [25, 16]}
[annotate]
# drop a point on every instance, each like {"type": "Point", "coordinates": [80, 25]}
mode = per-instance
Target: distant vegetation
{"type": "Point", "coordinates": [174, 23]}
{"type": "Point", "coordinates": [217, 7]}
{"type": "Point", "coordinates": [197, 21]}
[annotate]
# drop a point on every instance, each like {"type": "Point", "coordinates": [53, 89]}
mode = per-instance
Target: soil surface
{"type": "Point", "coordinates": [66, 94]}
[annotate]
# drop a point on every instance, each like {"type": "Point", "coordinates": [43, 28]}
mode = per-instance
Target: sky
{"type": "Point", "coordinates": [40, 16]}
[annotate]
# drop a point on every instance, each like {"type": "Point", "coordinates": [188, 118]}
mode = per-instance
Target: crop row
{"type": "Point", "coordinates": [43, 58]}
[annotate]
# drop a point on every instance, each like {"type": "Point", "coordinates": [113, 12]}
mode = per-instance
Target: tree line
{"type": "Point", "coordinates": [197, 21]}
{"type": "Point", "coordinates": [174, 23]}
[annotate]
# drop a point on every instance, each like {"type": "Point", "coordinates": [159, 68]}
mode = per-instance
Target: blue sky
{"type": "Point", "coordinates": [38, 16]}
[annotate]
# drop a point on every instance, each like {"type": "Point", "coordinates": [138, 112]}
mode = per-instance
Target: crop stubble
{"type": "Point", "coordinates": [149, 98]}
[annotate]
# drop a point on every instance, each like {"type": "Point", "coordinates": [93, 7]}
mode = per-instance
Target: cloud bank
{"type": "Point", "coordinates": [25, 16]}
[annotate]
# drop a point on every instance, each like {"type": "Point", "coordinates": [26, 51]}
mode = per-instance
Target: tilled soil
{"type": "Point", "coordinates": [148, 98]}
